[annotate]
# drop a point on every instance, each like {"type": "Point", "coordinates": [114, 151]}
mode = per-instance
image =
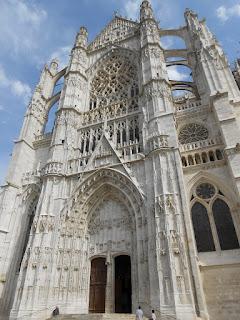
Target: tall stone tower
{"type": "Point", "coordinates": [134, 197]}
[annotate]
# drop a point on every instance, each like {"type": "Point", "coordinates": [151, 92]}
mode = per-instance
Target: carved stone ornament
{"type": "Point", "coordinates": [157, 89]}
{"type": "Point", "coordinates": [166, 203]}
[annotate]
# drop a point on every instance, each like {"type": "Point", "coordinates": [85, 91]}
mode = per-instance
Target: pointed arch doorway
{"type": "Point", "coordinates": [123, 284]}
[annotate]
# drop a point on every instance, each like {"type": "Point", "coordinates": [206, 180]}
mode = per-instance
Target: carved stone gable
{"type": "Point", "coordinates": [117, 30]}
{"type": "Point", "coordinates": [104, 155]}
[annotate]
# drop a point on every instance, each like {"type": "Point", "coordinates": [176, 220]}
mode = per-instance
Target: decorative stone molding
{"type": "Point", "coordinates": [53, 168]}
{"type": "Point", "coordinates": [233, 150]}
{"type": "Point", "coordinates": [157, 141]}
{"type": "Point", "coordinates": [152, 52]}
{"type": "Point", "coordinates": [157, 89]}
{"type": "Point", "coordinates": [166, 203]}
{"type": "Point", "coordinates": [118, 30]}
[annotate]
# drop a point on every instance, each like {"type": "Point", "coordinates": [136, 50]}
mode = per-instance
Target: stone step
{"type": "Point", "coordinates": [101, 316]}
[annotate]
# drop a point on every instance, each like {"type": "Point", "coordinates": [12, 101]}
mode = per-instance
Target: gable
{"type": "Point", "coordinates": [104, 155]}
{"type": "Point", "coordinates": [117, 30]}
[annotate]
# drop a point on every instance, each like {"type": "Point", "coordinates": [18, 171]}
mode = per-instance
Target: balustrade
{"type": "Point", "coordinates": [52, 168]}
{"type": "Point", "coordinates": [187, 105]}
{"type": "Point", "coordinates": [46, 136]}
{"type": "Point", "coordinates": [129, 151]}
{"type": "Point", "coordinates": [204, 157]}
{"type": "Point", "coordinates": [31, 176]}
{"type": "Point", "coordinates": [200, 144]}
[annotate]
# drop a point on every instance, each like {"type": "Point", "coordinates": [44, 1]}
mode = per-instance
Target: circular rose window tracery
{"type": "Point", "coordinates": [192, 132]}
{"type": "Point", "coordinates": [205, 191]}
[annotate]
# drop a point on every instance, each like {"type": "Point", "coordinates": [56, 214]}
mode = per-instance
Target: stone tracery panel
{"type": "Point", "coordinates": [192, 132]}
{"type": "Point", "coordinates": [115, 81]}
{"type": "Point", "coordinates": [110, 228]}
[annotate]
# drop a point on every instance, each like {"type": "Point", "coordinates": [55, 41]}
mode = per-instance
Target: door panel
{"type": "Point", "coordinates": [97, 286]}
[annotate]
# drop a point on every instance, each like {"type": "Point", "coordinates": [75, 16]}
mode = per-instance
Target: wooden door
{"type": "Point", "coordinates": [98, 281]}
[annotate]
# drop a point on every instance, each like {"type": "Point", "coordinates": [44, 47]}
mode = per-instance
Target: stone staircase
{"type": "Point", "coordinates": [102, 316]}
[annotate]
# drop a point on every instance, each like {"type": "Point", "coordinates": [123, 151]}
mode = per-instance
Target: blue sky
{"type": "Point", "coordinates": [33, 32]}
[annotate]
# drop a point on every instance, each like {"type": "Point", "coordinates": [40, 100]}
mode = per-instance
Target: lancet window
{"type": "Point", "coordinates": [125, 131]}
{"type": "Point", "coordinates": [212, 219]}
{"type": "Point", "coordinates": [88, 140]}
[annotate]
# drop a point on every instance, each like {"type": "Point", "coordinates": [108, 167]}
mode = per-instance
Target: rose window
{"type": "Point", "coordinates": [192, 132]}
{"type": "Point", "coordinates": [116, 81]}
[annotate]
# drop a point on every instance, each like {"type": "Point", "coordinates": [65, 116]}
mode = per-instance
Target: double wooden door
{"type": "Point", "coordinates": [98, 281]}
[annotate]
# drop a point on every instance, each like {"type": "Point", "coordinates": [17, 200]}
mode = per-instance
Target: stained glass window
{"type": "Point", "coordinates": [224, 224]}
{"type": "Point", "coordinates": [202, 228]}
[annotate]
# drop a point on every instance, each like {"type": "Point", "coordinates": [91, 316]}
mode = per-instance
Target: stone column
{"type": "Point", "coordinates": [109, 286]}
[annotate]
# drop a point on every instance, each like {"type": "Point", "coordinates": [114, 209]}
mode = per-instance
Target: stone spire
{"type": "Point", "coordinates": [146, 11]}
{"type": "Point", "coordinates": [82, 38]}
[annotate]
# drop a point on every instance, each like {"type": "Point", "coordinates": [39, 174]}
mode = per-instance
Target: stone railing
{"type": "Point", "coordinates": [187, 106]}
{"type": "Point", "coordinates": [205, 157]}
{"type": "Point", "coordinates": [43, 140]}
{"type": "Point", "coordinates": [129, 151]}
{"type": "Point", "coordinates": [110, 112]}
{"type": "Point", "coordinates": [44, 136]}
{"type": "Point", "coordinates": [53, 168]}
{"type": "Point", "coordinates": [200, 144]}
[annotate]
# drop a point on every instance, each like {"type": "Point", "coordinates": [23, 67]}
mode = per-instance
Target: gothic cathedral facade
{"type": "Point", "coordinates": [134, 197]}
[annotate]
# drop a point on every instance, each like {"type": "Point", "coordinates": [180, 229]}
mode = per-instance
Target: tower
{"type": "Point", "coordinates": [133, 198]}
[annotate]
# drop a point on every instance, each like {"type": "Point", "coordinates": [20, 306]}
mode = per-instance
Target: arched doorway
{"type": "Point", "coordinates": [98, 281]}
{"type": "Point", "coordinates": [123, 285]}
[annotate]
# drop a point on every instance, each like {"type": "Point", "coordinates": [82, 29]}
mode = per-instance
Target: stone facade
{"type": "Point", "coordinates": [129, 169]}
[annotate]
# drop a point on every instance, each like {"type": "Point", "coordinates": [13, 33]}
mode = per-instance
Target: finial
{"type": "Point", "coordinates": [83, 31]}
{"type": "Point", "coordinates": [81, 38]}
{"type": "Point", "coordinates": [116, 13]}
{"type": "Point", "coordinates": [189, 12]}
{"type": "Point", "coordinates": [54, 66]}
{"type": "Point", "coordinates": [146, 10]}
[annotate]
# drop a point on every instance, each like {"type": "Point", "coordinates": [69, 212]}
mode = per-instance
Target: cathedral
{"type": "Point", "coordinates": [133, 198]}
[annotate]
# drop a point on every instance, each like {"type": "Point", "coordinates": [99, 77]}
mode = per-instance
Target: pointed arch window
{"type": "Point", "coordinates": [224, 224]}
{"type": "Point", "coordinates": [212, 219]}
{"type": "Point", "coordinates": [202, 228]}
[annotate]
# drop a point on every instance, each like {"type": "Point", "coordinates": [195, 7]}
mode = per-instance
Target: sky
{"type": "Point", "coordinates": [35, 31]}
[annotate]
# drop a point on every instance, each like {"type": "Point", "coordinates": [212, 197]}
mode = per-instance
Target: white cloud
{"type": "Point", "coordinates": [175, 74]}
{"type": "Point", "coordinates": [225, 13]}
{"type": "Point", "coordinates": [20, 23]}
{"type": "Point", "coordinates": [1, 108]}
{"type": "Point", "coordinates": [62, 54]}
{"type": "Point", "coordinates": [17, 87]}
{"type": "Point", "coordinates": [21, 89]}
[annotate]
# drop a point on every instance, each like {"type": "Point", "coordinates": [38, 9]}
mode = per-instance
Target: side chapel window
{"type": "Point", "coordinates": [211, 215]}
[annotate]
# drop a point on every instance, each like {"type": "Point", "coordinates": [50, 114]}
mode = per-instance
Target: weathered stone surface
{"type": "Point", "coordinates": [129, 169]}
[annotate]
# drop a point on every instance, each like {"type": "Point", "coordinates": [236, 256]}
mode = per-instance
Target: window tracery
{"type": "Point", "coordinates": [212, 219]}
{"type": "Point", "coordinates": [192, 132]}
{"type": "Point", "coordinates": [88, 139]}
{"type": "Point", "coordinates": [115, 81]}
{"type": "Point", "coordinates": [114, 100]}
